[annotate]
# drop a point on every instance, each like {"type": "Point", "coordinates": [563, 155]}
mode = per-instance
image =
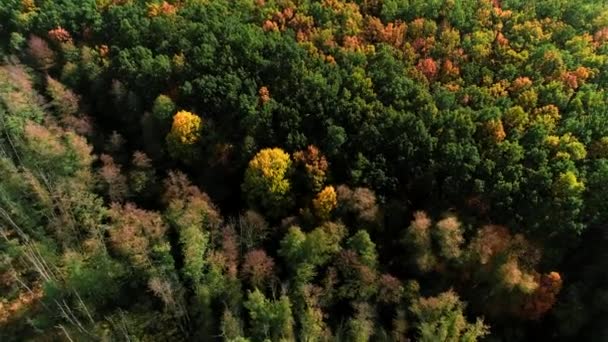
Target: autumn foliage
{"type": "Point", "coordinates": [278, 170]}
{"type": "Point", "coordinates": [325, 202]}
{"type": "Point", "coordinates": [266, 182]}
{"type": "Point", "coordinates": [184, 135]}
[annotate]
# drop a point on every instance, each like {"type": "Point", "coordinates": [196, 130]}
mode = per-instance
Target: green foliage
{"type": "Point", "coordinates": [271, 319]}
{"type": "Point", "coordinates": [484, 114]}
{"type": "Point", "coordinates": [441, 318]}
{"type": "Point", "coordinates": [163, 108]}
{"type": "Point", "coordinates": [365, 248]}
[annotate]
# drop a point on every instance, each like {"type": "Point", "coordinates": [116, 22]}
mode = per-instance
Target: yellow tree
{"type": "Point", "coordinates": [325, 202]}
{"type": "Point", "coordinates": [184, 135]}
{"type": "Point", "coordinates": [266, 183]}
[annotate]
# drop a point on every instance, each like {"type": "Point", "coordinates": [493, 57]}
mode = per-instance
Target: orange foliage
{"type": "Point", "coordinates": [60, 35]}
{"type": "Point", "coordinates": [521, 83]}
{"type": "Point", "coordinates": [352, 43]}
{"type": "Point", "coordinates": [576, 78]}
{"type": "Point", "coordinates": [545, 296]}
{"type": "Point", "coordinates": [501, 39]}
{"type": "Point", "coordinates": [264, 95]}
{"type": "Point", "coordinates": [104, 51]}
{"type": "Point", "coordinates": [428, 67]}
{"type": "Point", "coordinates": [495, 130]}
{"type": "Point", "coordinates": [270, 25]}
{"type": "Point", "coordinates": [288, 13]}
{"type": "Point", "coordinates": [11, 310]}
{"type": "Point", "coordinates": [392, 33]}
{"type": "Point", "coordinates": [571, 80]}
{"type": "Point", "coordinates": [315, 165]}
{"type": "Point", "coordinates": [164, 8]}
{"type": "Point", "coordinates": [601, 36]}
{"type": "Point", "coordinates": [302, 24]}
{"type": "Point", "coordinates": [449, 69]}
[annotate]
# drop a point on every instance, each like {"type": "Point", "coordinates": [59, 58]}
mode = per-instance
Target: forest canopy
{"type": "Point", "coordinates": [303, 170]}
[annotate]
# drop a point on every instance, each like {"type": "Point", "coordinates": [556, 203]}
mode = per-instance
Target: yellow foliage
{"type": "Point", "coordinates": [548, 116]}
{"type": "Point", "coordinates": [567, 146]}
{"type": "Point", "coordinates": [325, 202]}
{"type": "Point", "coordinates": [266, 180]}
{"type": "Point", "coordinates": [184, 136]}
{"type": "Point", "coordinates": [186, 127]}
{"type": "Point", "coordinates": [567, 184]}
{"type": "Point", "coordinates": [516, 118]}
{"type": "Point", "coordinates": [514, 277]}
{"type": "Point", "coordinates": [163, 8]}
{"type": "Point", "coordinates": [28, 5]}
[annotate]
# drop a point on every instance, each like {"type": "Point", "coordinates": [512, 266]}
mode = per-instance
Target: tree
{"type": "Point", "coordinates": [315, 166]}
{"type": "Point", "coordinates": [449, 235]}
{"type": "Point", "coordinates": [266, 184]}
{"type": "Point", "coordinates": [363, 245]}
{"type": "Point", "coordinates": [184, 135]}
{"type": "Point", "coordinates": [258, 267]}
{"type": "Point", "coordinates": [142, 177]}
{"type": "Point", "coordinates": [136, 233]}
{"type": "Point", "coordinates": [361, 327]}
{"type": "Point", "coordinates": [418, 235]}
{"type": "Point", "coordinates": [113, 181]}
{"type": "Point", "coordinates": [441, 318]}
{"type": "Point", "coordinates": [361, 202]}
{"type": "Point", "coordinates": [270, 319]}
{"type": "Point", "coordinates": [325, 202]}
{"type": "Point", "coordinates": [312, 326]}
{"type": "Point", "coordinates": [305, 252]}
{"type": "Point", "coordinates": [163, 108]}
{"type": "Point", "coordinates": [194, 217]}
{"type": "Point", "coordinates": [41, 53]}
{"type": "Point", "coordinates": [65, 101]}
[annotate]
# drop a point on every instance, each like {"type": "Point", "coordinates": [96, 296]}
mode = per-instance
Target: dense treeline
{"type": "Point", "coordinates": [251, 170]}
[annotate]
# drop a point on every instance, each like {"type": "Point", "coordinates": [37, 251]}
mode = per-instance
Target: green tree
{"type": "Point", "coordinates": [441, 318]}
{"type": "Point", "coordinates": [270, 319]}
{"type": "Point", "coordinates": [163, 108]}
